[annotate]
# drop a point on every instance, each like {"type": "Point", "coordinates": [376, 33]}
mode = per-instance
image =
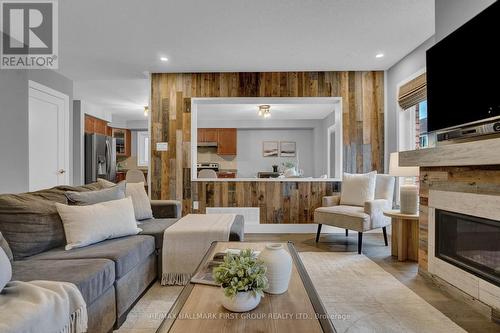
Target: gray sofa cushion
{"type": "Point", "coordinates": [30, 222]}
{"type": "Point", "coordinates": [156, 228]}
{"type": "Point", "coordinates": [92, 197]}
{"type": "Point", "coordinates": [126, 252]}
{"type": "Point", "coordinates": [92, 277]}
{"type": "Point", "coordinates": [163, 209]}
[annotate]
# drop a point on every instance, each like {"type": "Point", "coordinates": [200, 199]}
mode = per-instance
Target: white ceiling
{"type": "Point", "coordinates": [123, 99]}
{"type": "Point", "coordinates": [249, 111]}
{"type": "Point", "coordinates": [124, 39]}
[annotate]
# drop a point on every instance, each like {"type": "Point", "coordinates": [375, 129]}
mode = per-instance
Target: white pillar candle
{"type": "Point", "coordinates": [409, 199]}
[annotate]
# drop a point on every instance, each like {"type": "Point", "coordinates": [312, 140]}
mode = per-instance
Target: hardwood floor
{"type": "Point", "coordinates": [461, 312]}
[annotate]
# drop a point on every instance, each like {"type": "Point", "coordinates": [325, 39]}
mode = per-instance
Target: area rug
{"type": "Point", "coordinates": [362, 297]}
{"type": "Point", "coordinates": [358, 294]}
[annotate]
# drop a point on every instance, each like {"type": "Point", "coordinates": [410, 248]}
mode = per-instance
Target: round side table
{"type": "Point", "coordinates": [404, 237]}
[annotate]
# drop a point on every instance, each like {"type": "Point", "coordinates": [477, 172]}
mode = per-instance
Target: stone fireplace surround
{"type": "Point", "coordinates": [462, 170]}
{"type": "Point", "coordinates": [480, 205]}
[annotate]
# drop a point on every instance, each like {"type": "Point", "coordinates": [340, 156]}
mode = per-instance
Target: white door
{"type": "Point", "coordinates": [48, 137]}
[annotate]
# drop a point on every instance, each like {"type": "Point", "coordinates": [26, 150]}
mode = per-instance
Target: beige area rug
{"type": "Point", "coordinates": [362, 297]}
{"type": "Point", "coordinates": [357, 293]}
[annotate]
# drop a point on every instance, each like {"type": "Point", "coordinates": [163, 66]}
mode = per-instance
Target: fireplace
{"type": "Point", "coordinates": [470, 243]}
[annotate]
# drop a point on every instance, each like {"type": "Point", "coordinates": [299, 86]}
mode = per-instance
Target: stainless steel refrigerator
{"type": "Point", "coordinates": [100, 157]}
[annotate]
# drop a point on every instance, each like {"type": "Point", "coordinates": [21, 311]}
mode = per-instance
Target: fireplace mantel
{"type": "Point", "coordinates": [482, 152]}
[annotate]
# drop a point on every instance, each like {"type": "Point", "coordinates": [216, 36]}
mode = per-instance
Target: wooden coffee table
{"type": "Point", "coordinates": [199, 307]}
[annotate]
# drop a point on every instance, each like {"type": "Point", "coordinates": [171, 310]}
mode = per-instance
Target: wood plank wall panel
{"type": "Point", "coordinates": [284, 202]}
{"type": "Point", "coordinates": [471, 179]}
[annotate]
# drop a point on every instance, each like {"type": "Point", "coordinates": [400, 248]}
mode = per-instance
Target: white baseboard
{"type": "Point", "coordinates": [295, 229]}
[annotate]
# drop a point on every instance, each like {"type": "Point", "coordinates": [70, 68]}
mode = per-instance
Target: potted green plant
{"type": "Point", "coordinates": [243, 279]}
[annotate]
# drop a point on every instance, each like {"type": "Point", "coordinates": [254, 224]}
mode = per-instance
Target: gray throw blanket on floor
{"type": "Point", "coordinates": [186, 242]}
{"type": "Point", "coordinates": [42, 307]}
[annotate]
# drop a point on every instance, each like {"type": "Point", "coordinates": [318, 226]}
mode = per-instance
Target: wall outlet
{"type": "Point", "coordinates": [196, 205]}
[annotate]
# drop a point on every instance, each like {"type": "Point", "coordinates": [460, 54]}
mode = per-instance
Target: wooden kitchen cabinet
{"type": "Point", "coordinates": [226, 141]}
{"type": "Point", "coordinates": [95, 125]}
{"type": "Point", "coordinates": [225, 138]}
{"type": "Point", "coordinates": [123, 141]}
{"type": "Point", "coordinates": [207, 134]}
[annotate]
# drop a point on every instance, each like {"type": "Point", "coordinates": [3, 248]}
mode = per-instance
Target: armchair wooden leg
{"type": "Point", "coordinates": [384, 230]}
{"type": "Point", "coordinates": [360, 242]}
{"type": "Point", "coordinates": [318, 233]}
{"type": "Point", "coordinates": [346, 232]}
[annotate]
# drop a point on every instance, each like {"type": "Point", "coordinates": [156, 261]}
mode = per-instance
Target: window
{"type": "Point", "coordinates": [421, 128]}
{"type": "Point", "coordinates": [142, 148]}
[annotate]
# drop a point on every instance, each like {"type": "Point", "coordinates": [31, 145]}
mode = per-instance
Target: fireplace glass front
{"type": "Point", "coordinates": [470, 243]}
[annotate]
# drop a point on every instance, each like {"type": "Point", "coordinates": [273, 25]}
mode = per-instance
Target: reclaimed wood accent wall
{"type": "Point", "coordinates": [470, 179]}
{"type": "Point", "coordinates": [284, 202]}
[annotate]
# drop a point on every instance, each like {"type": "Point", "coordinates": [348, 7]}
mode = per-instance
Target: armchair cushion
{"type": "Point", "coordinates": [345, 217]}
{"type": "Point", "coordinates": [358, 188]}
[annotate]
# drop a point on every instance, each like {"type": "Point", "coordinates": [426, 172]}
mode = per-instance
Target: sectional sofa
{"type": "Point", "coordinates": [111, 275]}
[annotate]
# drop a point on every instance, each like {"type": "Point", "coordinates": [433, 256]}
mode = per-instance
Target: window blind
{"type": "Point", "coordinates": [413, 92]}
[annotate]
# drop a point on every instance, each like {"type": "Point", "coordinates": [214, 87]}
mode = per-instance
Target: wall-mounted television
{"type": "Point", "coordinates": [463, 74]}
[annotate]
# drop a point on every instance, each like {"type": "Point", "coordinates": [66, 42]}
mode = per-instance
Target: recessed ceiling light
{"type": "Point", "coordinates": [379, 55]}
{"type": "Point", "coordinates": [164, 59]}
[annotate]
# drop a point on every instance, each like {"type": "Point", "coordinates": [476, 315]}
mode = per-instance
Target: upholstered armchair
{"type": "Point", "coordinates": [356, 217]}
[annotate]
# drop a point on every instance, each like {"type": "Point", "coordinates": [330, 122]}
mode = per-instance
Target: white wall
{"type": "Point", "coordinates": [14, 169]}
{"type": "Point", "coordinates": [250, 160]}
{"type": "Point", "coordinates": [398, 73]}
{"type": "Point", "coordinates": [14, 136]}
{"type": "Point", "coordinates": [451, 14]}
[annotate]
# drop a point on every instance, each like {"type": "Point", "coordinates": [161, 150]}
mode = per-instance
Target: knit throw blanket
{"type": "Point", "coordinates": [186, 242]}
{"type": "Point", "coordinates": [42, 307]}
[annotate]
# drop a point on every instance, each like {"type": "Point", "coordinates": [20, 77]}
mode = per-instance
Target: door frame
{"type": "Point", "coordinates": [49, 91]}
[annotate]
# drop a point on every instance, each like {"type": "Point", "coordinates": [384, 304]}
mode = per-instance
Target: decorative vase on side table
{"type": "Point", "coordinates": [279, 268]}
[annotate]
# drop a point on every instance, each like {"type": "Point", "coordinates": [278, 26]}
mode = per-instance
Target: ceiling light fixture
{"type": "Point", "coordinates": [379, 55]}
{"type": "Point", "coordinates": [146, 111]}
{"type": "Point", "coordinates": [164, 59]}
{"type": "Point", "coordinates": [264, 111]}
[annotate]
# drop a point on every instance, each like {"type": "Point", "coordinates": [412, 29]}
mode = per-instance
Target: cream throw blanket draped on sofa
{"type": "Point", "coordinates": [42, 307]}
{"type": "Point", "coordinates": [186, 242]}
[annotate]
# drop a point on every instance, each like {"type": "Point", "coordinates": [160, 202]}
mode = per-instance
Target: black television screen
{"type": "Point", "coordinates": [463, 73]}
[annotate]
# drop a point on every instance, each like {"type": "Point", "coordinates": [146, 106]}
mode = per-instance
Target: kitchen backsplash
{"type": "Point", "coordinates": [209, 154]}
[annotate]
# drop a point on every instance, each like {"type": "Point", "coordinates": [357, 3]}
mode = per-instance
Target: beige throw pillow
{"type": "Point", "coordinates": [85, 225]}
{"type": "Point", "coordinates": [142, 205]}
{"type": "Point", "coordinates": [358, 188]}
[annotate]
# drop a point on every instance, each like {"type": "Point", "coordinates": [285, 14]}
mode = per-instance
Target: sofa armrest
{"type": "Point", "coordinates": [164, 209]}
{"type": "Point", "coordinates": [332, 200]}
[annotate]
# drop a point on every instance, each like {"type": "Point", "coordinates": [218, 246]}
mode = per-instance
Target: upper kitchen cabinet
{"type": "Point", "coordinates": [95, 125]}
{"type": "Point", "coordinates": [123, 141]}
{"type": "Point", "coordinates": [207, 134]}
{"type": "Point", "coordinates": [226, 141]}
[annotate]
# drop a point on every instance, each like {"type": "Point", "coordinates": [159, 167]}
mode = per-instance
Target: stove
{"type": "Point", "coordinates": [206, 165]}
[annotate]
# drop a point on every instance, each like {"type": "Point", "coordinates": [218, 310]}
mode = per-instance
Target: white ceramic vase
{"type": "Point", "coordinates": [279, 268]}
{"type": "Point", "coordinates": [242, 302]}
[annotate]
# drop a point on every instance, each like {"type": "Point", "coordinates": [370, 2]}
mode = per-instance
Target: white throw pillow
{"type": "Point", "coordinates": [358, 188]}
{"type": "Point", "coordinates": [5, 269]}
{"type": "Point", "coordinates": [142, 205]}
{"type": "Point", "coordinates": [85, 225]}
